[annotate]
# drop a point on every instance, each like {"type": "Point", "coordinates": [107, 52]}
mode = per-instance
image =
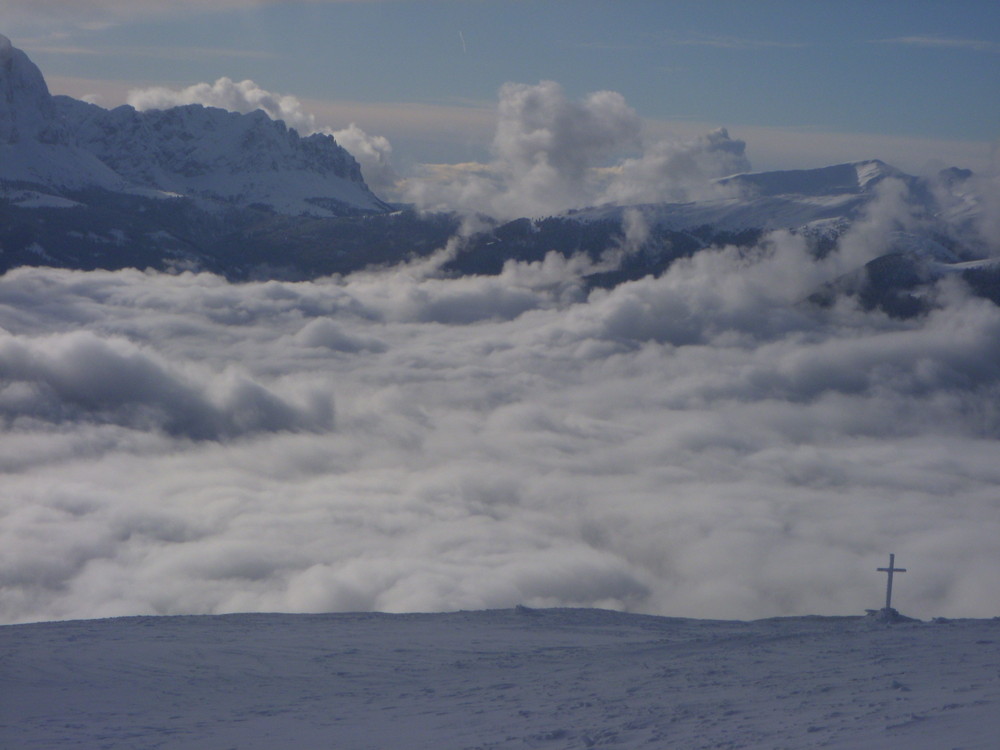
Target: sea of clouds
{"type": "Point", "coordinates": [699, 444]}
{"type": "Point", "coordinates": [702, 444]}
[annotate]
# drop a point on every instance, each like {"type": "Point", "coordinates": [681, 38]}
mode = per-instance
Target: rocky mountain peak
{"type": "Point", "coordinates": [25, 103]}
{"type": "Point", "coordinates": [194, 151]}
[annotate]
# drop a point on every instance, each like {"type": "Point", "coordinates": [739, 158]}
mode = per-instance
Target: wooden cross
{"type": "Point", "coordinates": [888, 586]}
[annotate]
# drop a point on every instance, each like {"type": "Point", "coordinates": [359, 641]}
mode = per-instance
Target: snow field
{"type": "Point", "coordinates": [499, 679]}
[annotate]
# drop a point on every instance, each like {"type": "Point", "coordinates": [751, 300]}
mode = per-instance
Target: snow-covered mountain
{"type": "Point", "coordinates": [26, 111]}
{"type": "Point", "coordinates": [36, 148]}
{"type": "Point", "coordinates": [202, 188]}
{"type": "Point", "coordinates": [905, 232]}
{"type": "Point", "coordinates": [58, 146]}
{"type": "Point", "coordinates": [499, 679]}
{"type": "Point", "coordinates": [245, 160]}
{"type": "Point", "coordinates": [821, 200]}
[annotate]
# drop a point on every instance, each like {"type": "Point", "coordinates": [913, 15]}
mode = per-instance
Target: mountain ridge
{"type": "Point", "coordinates": [849, 177]}
{"type": "Point", "coordinates": [59, 145]}
{"type": "Point", "coordinates": [202, 188]}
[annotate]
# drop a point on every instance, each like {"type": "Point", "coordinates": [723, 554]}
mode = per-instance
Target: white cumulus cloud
{"type": "Point", "coordinates": [552, 154]}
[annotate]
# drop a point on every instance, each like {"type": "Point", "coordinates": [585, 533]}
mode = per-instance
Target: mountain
{"type": "Point", "coordinates": [560, 678]}
{"type": "Point", "coordinates": [201, 188]}
{"type": "Point", "coordinates": [749, 199]}
{"type": "Point", "coordinates": [790, 199]}
{"type": "Point", "coordinates": [57, 149]}
{"type": "Point", "coordinates": [930, 226]}
{"type": "Point", "coordinates": [35, 146]}
{"type": "Point", "coordinates": [926, 228]}
{"type": "Point", "coordinates": [205, 152]}
{"type": "Point", "coordinates": [188, 187]}
{"type": "Point", "coordinates": [26, 112]}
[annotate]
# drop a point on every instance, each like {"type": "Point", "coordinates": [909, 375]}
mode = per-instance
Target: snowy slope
{"type": "Point", "coordinates": [840, 179]}
{"type": "Point", "coordinates": [62, 145]}
{"type": "Point", "coordinates": [499, 679]}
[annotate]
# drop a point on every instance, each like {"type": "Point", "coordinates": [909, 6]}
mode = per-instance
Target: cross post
{"type": "Point", "coordinates": [888, 586]}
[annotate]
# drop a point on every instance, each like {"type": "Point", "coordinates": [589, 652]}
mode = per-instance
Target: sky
{"type": "Point", "coordinates": [804, 84]}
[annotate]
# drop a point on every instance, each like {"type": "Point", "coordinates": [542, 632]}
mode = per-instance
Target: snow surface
{"type": "Point", "coordinates": [834, 180]}
{"type": "Point", "coordinates": [520, 678]}
{"type": "Point", "coordinates": [34, 199]}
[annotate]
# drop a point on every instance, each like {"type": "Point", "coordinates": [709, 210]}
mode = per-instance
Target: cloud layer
{"type": "Point", "coordinates": [698, 444]}
{"type": "Point", "coordinates": [117, 11]}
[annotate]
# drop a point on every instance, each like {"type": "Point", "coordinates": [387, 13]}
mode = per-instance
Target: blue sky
{"type": "Point", "coordinates": [804, 83]}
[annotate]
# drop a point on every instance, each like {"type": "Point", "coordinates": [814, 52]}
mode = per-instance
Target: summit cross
{"type": "Point", "coordinates": [888, 585]}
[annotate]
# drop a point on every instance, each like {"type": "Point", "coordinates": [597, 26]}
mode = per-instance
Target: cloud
{"type": "Point", "coordinates": [887, 215]}
{"type": "Point", "coordinates": [101, 13]}
{"type": "Point", "coordinates": [540, 129]}
{"type": "Point", "coordinates": [940, 42]}
{"type": "Point", "coordinates": [54, 47]}
{"type": "Point", "coordinates": [79, 376]}
{"type": "Point", "coordinates": [985, 193]}
{"type": "Point", "coordinates": [544, 146]}
{"type": "Point", "coordinates": [551, 153]}
{"type": "Point", "coordinates": [734, 43]}
{"type": "Point", "coordinates": [244, 96]}
{"type": "Point", "coordinates": [373, 153]}
{"type": "Point", "coordinates": [447, 134]}
{"type": "Point", "coordinates": [700, 443]}
{"type": "Point", "coordinates": [674, 171]}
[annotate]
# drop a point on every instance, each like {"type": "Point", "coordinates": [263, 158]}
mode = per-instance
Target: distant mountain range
{"type": "Point", "coordinates": [201, 188]}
